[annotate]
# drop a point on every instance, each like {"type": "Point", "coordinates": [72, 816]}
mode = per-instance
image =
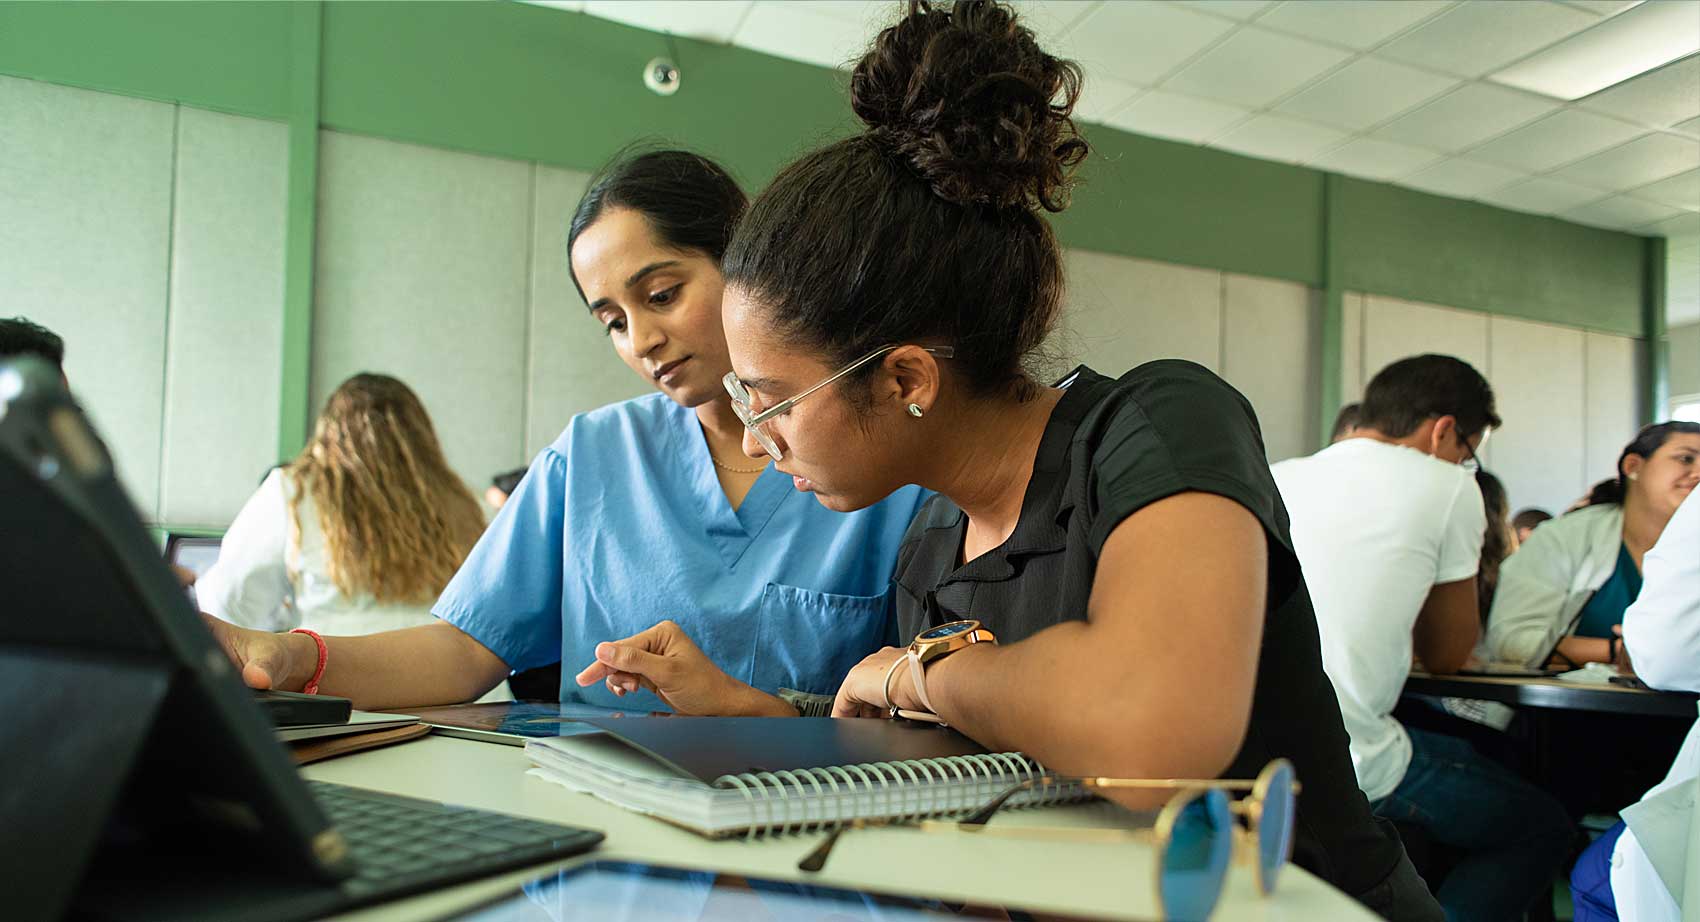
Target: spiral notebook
{"type": "Point", "coordinates": [725, 776]}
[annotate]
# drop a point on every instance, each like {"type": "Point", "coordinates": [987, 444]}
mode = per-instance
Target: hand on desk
{"type": "Point", "coordinates": [863, 691]}
{"type": "Point", "coordinates": [664, 660]}
{"type": "Point", "coordinates": [264, 658]}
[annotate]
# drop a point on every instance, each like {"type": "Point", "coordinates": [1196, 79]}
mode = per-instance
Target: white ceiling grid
{"type": "Point", "coordinates": [1398, 91]}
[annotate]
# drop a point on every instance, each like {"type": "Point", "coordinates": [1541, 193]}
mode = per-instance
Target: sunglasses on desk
{"type": "Point", "coordinates": [1196, 832]}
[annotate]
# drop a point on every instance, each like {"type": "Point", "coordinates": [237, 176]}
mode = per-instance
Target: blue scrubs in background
{"type": "Point", "coordinates": [622, 523]}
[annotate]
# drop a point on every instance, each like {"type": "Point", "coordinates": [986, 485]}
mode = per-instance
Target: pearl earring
{"type": "Point", "coordinates": [915, 410]}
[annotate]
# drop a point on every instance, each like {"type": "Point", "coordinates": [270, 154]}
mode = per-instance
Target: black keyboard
{"type": "Point", "coordinates": [404, 845]}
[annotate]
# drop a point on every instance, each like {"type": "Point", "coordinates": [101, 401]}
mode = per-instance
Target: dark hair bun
{"type": "Point", "coordinates": [966, 95]}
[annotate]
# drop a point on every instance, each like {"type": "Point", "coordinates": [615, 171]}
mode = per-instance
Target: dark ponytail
{"type": "Point", "coordinates": [690, 202]}
{"type": "Point", "coordinates": [926, 227]}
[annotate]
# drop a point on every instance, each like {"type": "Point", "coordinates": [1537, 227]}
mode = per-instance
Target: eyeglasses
{"type": "Point", "coordinates": [757, 422]}
{"type": "Point", "coordinates": [1195, 832]}
{"type": "Point", "coordinates": [1472, 463]}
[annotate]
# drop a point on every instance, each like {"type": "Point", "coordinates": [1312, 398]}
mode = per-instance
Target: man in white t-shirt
{"type": "Point", "coordinates": [1388, 525]}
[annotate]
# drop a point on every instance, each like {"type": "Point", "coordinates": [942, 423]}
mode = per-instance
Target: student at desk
{"type": "Point", "coordinates": [642, 510]}
{"type": "Point", "coordinates": [1578, 573]}
{"type": "Point", "coordinates": [1121, 538]}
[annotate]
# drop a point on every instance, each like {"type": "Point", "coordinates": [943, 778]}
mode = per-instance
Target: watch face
{"type": "Point", "coordinates": [948, 630]}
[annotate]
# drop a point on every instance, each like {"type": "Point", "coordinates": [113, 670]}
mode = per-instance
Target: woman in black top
{"type": "Point", "coordinates": [1122, 538]}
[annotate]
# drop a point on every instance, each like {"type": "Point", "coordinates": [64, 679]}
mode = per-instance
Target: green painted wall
{"type": "Point", "coordinates": [1426, 248]}
{"type": "Point", "coordinates": [519, 81]}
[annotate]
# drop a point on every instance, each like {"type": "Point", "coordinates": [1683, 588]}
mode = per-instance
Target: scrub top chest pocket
{"type": "Point", "coordinates": [809, 640]}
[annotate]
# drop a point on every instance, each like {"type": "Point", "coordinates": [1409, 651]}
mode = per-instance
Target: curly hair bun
{"type": "Point", "coordinates": [965, 94]}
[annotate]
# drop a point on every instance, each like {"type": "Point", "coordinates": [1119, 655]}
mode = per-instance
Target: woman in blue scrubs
{"type": "Point", "coordinates": [642, 512]}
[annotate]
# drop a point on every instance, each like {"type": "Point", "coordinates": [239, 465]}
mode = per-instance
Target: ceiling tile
{"type": "Point", "coordinates": [1646, 159]}
{"type": "Point", "coordinates": [1468, 115]}
{"type": "Point", "coordinates": [1371, 159]}
{"type": "Point", "coordinates": [709, 20]}
{"type": "Point", "coordinates": [1140, 42]}
{"type": "Point", "coordinates": [1602, 7]}
{"type": "Point", "coordinates": [1170, 115]}
{"type": "Point", "coordinates": [571, 6]}
{"type": "Point", "coordinates": [1621, 213]}
{"type": "Point", "coordinates": [800, 32]}
{"type": "Point", "coordinates": [1566, 135]}
{"type": "Point", "coordinates": [1050, 20]}
{"type": "Point", "coordinates": [1462, 178]}
{"type": "Point", "coordinates": [1254, 68]}
{"type": "Point", "coordinates": [1365, 92]}
{"type": "Point", "coordinates": [1275, 137]}
{"type": "Point", "coordinates": [1692, 126]}
{"type": "Point", "coordinates": [1482, 36]}
{"type": "Point", "coordinates": [1681, 190]}
{"type": "Point", "coordinates": [1360, 24]}
{"type": "Point", "coordinates": [1100, 95]}
{"type": "Point", "coordinates": [1542, 196]}
{"type": "Point", "coordinates": [1233, 9]}
{"type": "Point", "coordinates": [1660, 97]}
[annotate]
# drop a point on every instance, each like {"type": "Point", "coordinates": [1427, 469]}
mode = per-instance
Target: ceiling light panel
{"type": "Point", "coordinates": [1254, 67]}
{"type": "Point", "coordinates": [1543, 196]}
{"type": "Point", "coordinates": [1620, 213]}
{"type": "Point", "coordinates": [1566, 135]}
{"type": "Point", "coordinates": [1365, 92]}
{"type": "Point", "coordinates": [1140, 42]}
{"type": "Point", "coordinates": [1181, 118]}
{"type": "Point", "coordinates": [708, 20]}
{"type": "Point", "coordinates": [1646, 159]}
{"type": "Point", "coordinates": [1368, 158]}
{"type": "Point", "coordinates": [1662, 97]}
{"type": "Point", "coordinates": [1461, 178]}
{"type": "Point", "coordinates": [1634, 41]}
{"type": "Point", "coordinates": [1466, 116]}
{"type": "Point", "coordinates": [1681, 190]}
{"type": "Point", "coordinates": [1482, 36]}
{"type": "Point", "coordinates": [1359, 24]}
{"type": "Point", "coordinates": [1275, 137]}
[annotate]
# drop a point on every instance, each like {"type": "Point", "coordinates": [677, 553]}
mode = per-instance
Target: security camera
{"type": "Point", "coordinates": [662, 76]}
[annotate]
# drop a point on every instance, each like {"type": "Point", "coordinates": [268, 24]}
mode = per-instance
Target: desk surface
{"type": "Point", "coordinates": [1095, 880]}
{"type": "Point", "coordinates": [1554, 693]}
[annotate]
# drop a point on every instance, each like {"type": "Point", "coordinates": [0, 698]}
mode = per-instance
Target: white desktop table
{"type": "Point", "coordinates": [1090, 879]}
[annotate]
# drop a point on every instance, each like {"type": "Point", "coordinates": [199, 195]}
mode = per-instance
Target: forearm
{"type": "Point", "coordinates": [414, 667]}
{"type": "Point", "coordinates": [1076, 699]}
{"type": "Point", "coordinates": [1584, 650]}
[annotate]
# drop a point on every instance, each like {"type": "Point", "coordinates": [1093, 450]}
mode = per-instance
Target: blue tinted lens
{"type": "Point", "coordinates": [1196, 858]}
{"type": "Point", "coordinates": [1275, 827]}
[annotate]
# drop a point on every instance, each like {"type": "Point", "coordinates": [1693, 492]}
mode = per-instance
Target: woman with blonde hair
{"type": "Point", "coordinates": [359, 533]}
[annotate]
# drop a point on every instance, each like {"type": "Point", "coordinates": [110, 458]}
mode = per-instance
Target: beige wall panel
{"type": "Point", "coordinates": [1395, 329]}
{"type": "Point", "coordinates": [1351, 347]}
{"type": "Point", "coordinates": [572, 364]}
{"type": "Point", "coordinates": [1614, 401]}
{"type": "Point", "coordinates": [85, 212]}
{"type": "Point", "coordinates": [1271, 353]}
{"type": "Point", "coordinates": [1685, 360]}
{"type": "Point", "coordinates": [225, 349]}
{"type": "Point", "coordinates": [422, 274]}
{"type": "Point", "coordinates": [1121, 312]}
{"type": "Point", "coordinates": [1537, 371]}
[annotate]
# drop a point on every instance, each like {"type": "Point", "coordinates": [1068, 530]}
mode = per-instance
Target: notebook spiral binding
{"type": "Point", "coordinates": [781, 801]}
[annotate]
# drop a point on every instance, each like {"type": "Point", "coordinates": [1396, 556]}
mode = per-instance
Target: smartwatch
{"type": "Point", "coordinates": [929, 645]}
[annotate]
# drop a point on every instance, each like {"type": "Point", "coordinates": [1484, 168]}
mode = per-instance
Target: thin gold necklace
{"type": "Point", "coordinates": [734, 470]}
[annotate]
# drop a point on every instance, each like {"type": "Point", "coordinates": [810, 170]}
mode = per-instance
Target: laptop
{"type": "Point", "coordinates": [141, 780]}
{"type": "Point", "coordinates": [195, 553]}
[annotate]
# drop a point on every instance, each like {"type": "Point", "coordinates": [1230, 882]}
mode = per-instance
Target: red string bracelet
{"type": "Point", "coordinates": [312, 686]}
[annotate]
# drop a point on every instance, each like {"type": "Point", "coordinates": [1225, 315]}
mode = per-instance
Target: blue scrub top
{"type": "Point", "coordinates": [622, 523]}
